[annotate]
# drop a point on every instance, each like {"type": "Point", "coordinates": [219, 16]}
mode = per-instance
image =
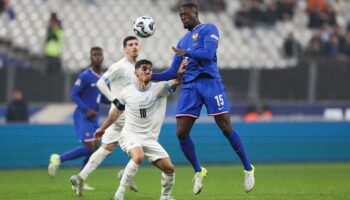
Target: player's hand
{"type": "Point", "coordinates": [90, 113]}
{"type": "Point", "coordinates": [98, 133]}
{"type": "Point", "coordinates": [180, 52]}
{"type": "Point", "coordinates": [182, 69]}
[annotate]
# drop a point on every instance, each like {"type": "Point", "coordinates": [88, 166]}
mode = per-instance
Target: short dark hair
{"type": "Point", "coordinates": [142, 62]}
{"type": "Point", "coordinates": [190, 5]}
{"type": "Point", "coordinates": [95, 49]}
{"type": "Point", "coordinates": [127, 39]}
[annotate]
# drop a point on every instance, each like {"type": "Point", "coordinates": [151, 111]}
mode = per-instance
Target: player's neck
{"type": "Point", "coordinates": [96, 69]}
{"type": "Point", "coordinates": [131, 59]}
{"type": "Point", "coordinates": [143, 85]}
{"type": "Point", "coordinates": [194, 25]}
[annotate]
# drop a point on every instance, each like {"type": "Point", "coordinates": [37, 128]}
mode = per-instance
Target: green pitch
{"type": "Point", "coordinates": [224, 182]}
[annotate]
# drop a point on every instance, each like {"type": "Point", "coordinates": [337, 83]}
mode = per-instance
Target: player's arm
{"type": "Point", "coordinates": [102, 84]}
{"type": "Point", "coordinates": [77, 89]}
{"type": "Point", "coordinates": [176, 82]}
{"type": "Point", "coordinates": [112, 117]}
{"type": "Point", "coordinates": [211, 40]}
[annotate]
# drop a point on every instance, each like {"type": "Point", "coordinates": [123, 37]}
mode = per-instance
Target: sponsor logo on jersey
{"type": "Point", "coordinates": [87, 134]}
{"type": "Point", "coordinates": [93, 85]}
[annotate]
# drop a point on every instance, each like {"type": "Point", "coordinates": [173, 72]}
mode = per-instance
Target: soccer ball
{"type": "Point", "coordinates": [144, 26]}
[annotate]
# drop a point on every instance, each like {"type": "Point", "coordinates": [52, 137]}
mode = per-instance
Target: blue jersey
{"type": "Point", "coordinates": [87, 96]}
{"type": "Point", "coordinates": [200, 45]}
{"type": "Point", "coordinates": [202, 83]}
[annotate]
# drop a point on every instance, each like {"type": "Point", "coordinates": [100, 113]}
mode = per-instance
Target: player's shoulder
{"type": "Point", "coordinates": [117, 64]}
{"type": "Point", "coordinates": [210, 26]}
{"type": "Point", "coordinates": [85, 73]}
{"type": "Point", "coordinates": [160, 84]}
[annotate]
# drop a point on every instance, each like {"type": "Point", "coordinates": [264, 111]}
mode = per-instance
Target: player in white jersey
{"type": "Point", "coordinates": [145, 105]}
{"type": "Point", "coordinates": [118, 76]}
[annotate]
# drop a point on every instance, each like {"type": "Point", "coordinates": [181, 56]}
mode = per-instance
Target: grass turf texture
{"type": "Point", "coordinates": [224, 182]}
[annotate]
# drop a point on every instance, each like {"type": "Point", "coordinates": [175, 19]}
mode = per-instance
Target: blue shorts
{"type": "Point", "coordinates": [84, 127]}
{"type": "Point", "coordinates": [208, 91]}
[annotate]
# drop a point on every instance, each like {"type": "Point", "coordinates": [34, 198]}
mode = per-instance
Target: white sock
{"type": "Point", "coordinates": [95, 160]}
{"type": "Point", "coordinates": [129, 173]}
{"type": "Point", "coordinates": [167, 181]}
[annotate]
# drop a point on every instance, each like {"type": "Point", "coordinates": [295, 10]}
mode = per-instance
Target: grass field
{"type": "Point", "coordinates": [224, 182]}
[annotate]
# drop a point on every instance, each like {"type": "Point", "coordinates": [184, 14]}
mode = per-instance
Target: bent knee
{"type": "Point", "coordinates": [138, 159]}
{"type": "Point", "coordinates": [169, 169]}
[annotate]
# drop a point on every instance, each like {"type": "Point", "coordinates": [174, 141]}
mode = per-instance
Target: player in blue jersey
{"type": "Point", "coordinates": [202, 84]}
{"type": "Point", "coordinates": [87, 97]}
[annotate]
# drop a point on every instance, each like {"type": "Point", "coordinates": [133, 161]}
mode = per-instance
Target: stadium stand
{"type": "Point", "coordinates": [251, 58]}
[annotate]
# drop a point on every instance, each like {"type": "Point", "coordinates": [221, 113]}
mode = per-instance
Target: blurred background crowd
{"type": "Point", "coordinates": [279, 59]}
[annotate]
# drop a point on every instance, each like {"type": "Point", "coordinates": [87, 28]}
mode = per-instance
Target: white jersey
{"type": "Point", "coordinates": [145, 109]}
{"type": "Point", "coordinates": [119, 75]}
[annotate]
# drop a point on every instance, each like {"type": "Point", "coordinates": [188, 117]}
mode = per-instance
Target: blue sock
{"type": "Point", "coordinates": [187, 147]}
{"type": "Point", "coordinates": [237, 145]}
{"type": "Point", "coordinates": [75, 153]}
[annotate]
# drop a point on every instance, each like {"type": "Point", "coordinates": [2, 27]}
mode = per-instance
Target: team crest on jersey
{"type": "Point", "coordinates": [87, 134]}
{"type": "Point", "coordinates": [194, 36]}
{"type": "Point", "coordinates": [77, 82]}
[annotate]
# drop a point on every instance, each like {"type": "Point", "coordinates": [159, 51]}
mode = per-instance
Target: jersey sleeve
{"type": "Point", "coordinates": [121, 101]}
{"type": "Point", "coordinates": [111, 73]}
{"type": "Point", "coordinates": [77, 89]}
{"type": "Point", "coordinates": [211, 40]}
{"type": "Point", "coordinates": [164, 88]}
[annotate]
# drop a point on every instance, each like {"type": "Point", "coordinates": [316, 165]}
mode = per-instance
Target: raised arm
{"type": "Point", "coordinates": [103, 87]}
{"type": "Point", "coordinates": [211, 40]}
{"type": "Point", "coordinates": [102, 84]}
{"type": "Point", "coordinates": [176, 82]}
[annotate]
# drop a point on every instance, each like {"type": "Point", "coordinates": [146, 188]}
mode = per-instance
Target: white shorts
{"type": "Point", "coordinates": [151, 147]}
{"type": "Point", "coordinates": [112, 134]}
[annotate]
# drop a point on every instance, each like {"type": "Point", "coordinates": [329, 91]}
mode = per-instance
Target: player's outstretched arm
{"type": "Point", "coordinates": [206, 53]}
{"type": "Point", "coordinates": [180, 74]}
{"type": "Point", "coordinates": [112, 117]}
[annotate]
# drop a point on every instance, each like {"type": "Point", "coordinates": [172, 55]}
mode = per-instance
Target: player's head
{"type": "Point", "coordinates": [143, 70]}
{"type": "Point", "coordinates": [131, 46]}
{"type": "Point", "coordinates": [189, 15]}
{"type": "Point", "coordinates": [96, 56]}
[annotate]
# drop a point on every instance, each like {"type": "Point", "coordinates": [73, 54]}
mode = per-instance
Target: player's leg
{"type": "Point", "coordinates": [136, 154]}
{"type": "Point", "coordinates": [56, 160]}
{"type": "Point", "coordinates": [78, 181]}
{"type": "Point", "coordinates": [84, 130]}
{"type": "Point", "coordinates": [168, 176]}
{"type": "Point", "coordinates": [109, 142]}
{"type": "Point", "coordinates": [217, 104]}
{"type": "Point", "coordinates": [224, 122]}
{"type": "Point", "coordinates": [160, 158]}
{"type": "Point", "coordinates": [188, 110]}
